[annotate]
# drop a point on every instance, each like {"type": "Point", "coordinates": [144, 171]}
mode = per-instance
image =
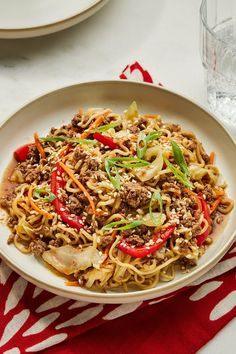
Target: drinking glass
{"type": "Point", "coordinates": [218, 53]}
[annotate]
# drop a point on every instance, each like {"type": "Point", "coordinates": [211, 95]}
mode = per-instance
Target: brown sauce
{"type": "Point", "coordinates": [6, 186]}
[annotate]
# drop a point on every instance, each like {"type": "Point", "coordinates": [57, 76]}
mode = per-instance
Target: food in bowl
{"type": "Point", "coordinates": [113, 200]}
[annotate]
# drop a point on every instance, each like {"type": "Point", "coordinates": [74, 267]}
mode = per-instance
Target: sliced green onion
{"type": "Point", "coordinates": [125, 158]}
{"type": "Point", "coordinates": [55, 138]}
{"type": "Point", "coordinates": [83, 141]}
{"type": "Point", "coordinates": [156, 196]}
{"type": "Point", "coordinates": [114, 180]}
{"type": "Point", "coordinates": [134, 162]}
{"type": "Point", "coordinates": [141, 144]}
{"type": "Point", "coordinates": [106, 127]}
{"type": "Point", "coordinates": [154, 135]}
{"type": "Point", "coordinates": [133, 165]}
{"type": "Point", "coordinates": [179, 158]}
{"type": "Point", "coordinates": [44, 195]}
{"type": "Point", "coordinates": [129, 224]}
{"type": "Point", "coordinates": [66, 138]}
{"type": "Point", "coordinates": [178, 174]}
{"type": "Point", "coordinates": [115, 162]}
{"type": "Point", "coordinates": [142, 141]}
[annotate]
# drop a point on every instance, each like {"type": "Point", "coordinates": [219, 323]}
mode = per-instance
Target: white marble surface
{"type": "Point", "coordinates": [162, 35]}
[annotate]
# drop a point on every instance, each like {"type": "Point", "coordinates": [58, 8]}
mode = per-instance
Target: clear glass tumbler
{"type": "Point", "coordinates": [218, 52]}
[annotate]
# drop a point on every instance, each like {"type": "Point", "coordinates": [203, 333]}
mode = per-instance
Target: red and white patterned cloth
{"type": "Point", "coordinates": [33, 320]}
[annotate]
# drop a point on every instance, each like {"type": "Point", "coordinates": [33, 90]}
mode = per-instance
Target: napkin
{"type": "Point", "coordinates": [34, 320]}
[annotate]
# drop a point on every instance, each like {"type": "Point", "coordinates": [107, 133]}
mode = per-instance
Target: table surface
{"type": "Point", "coordinates": [162, 35]}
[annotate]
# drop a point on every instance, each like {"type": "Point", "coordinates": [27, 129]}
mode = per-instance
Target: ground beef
{"type": "Point", "coordinates": [10, 239]}
{"type": "Point", "coordinates": [76, 120]}
{"type": "Point", "coordinates": [84, 177]}
{"type": "Point", "coordinates": [135, 195]}
{"type": "Point", "coordinates": [106, 240]}
{"type": "Point", "coordinates": [43, 176]}
{"type": "Point", "coordinates": [5, 202]}
{"type": "Point", "coordinates": [11, 222]}
{"type": "Point", "coordinates": [207, 191]}
{"type": "Point", "coordinates": [206, 158]}
{"type": "Point", "coordinates": [80, 154]}
{"type": "Point", "coordinates": [188, 263]}
{"type": "Point", "coordinates": [192, 145]}
{"type": "Point", "coordinates": [136, 240]}
{"type": "Point", "coordinates": [174, 128]}
{"type": "Point", "coordinates": [76, 202]}
{"type": "Point", "coordinates": [137, 236]}
{"type": "Point", "coordinates": [196, 230]}
{"type": "Point", "coordinates": [29, 171]}
{"type": "Point", "coordinates": [142, 123]}
{"type": "Point", "coordinates": [92, 164]}
{"type": "Point", "coordinates": [52, 130]}
{"type": "Point", "coordinates": [134, 129]}
{"type": "Point", "coordinates": [56, 242]}
{"type": "Point", "coordinates": [31, 176]}
{"type": "Point", "coordinates": [37, 247]}
{"type": "Point", "coordinates": [33, 155]}
{"type": "Point", "coordinates": [187, 222]}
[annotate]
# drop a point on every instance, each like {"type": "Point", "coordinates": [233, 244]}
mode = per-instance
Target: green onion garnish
{"type": "Point", "coordinates": [114, 180]}
{"type": "Point", "coordinates": [70, 140]}
{"type": "Point", "coordinates": [142, 141]}
{"type": "Point", "coordinates": [179, 158]}
{"type": "Point", "coordinates": [106, 127]}
{"type": "Point", "coordinates": [178, 174]}
{"type": "Point", "coordinates": [130, 162]}
{"type": "Point", "coordinates": [129, 224]}
{"type": "Point", "coordinates": [44, 195]}
{"type": "Point", "coordinates": [141, 144]}
{"type": "Point", "coordinates": [156, 196]}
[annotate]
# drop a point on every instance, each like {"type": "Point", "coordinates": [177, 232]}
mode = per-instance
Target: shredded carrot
{"type": "Point", "coordinates": [102, 213]}
{"type": "Point", "coordinates": [39, 146]}
{"type": "Point", "coordinates": [212, 157]}
{"type": "Point", "coordinates": [132, 150]}
{"type": "Point", "coordinates": [64, 151]}
{"type": "Point", "coordinates": [24, 205]}
{"type": "Point", "coordinates": [80, 185]}
{"type": "Point", "coordinates": [35, 207]}
{"type": "Point", "coordinates": [98, 121]}
{"type": "Point", "coordinates": [133, 137]}
{"type": "Point", "coordinates": [219, 192]}
{"type": "Point", "coordinates": [215, 204]}
{"type": "Point", "coordinates": [167, 154]}
{"type": "Point", "coordinates": [152, 116]}
{"type": "Point", "coordinates": [72, 283]}
{"type": "Point", "coordinates": [194, 195]}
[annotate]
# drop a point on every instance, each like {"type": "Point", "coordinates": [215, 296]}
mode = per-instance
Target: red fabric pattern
{"type": "Point", "coordinates": [34, 320]}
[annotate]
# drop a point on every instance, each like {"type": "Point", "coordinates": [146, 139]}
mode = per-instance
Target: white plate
{"type": "Point", "coordinates": [31, 18]}
{"type": "Point", "coordinates": [58, 107]}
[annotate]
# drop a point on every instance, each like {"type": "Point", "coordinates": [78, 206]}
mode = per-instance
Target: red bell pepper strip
{"type": "Point", "coordinates": [58, 183]}
{"type": "Point", "coordinates": [105, 140]}
{"type": "Point", "coordinates": [21, 154]}
{"type": "Point", "coordinates": [158, 239]}
{"type": "Point", "coordinates": [206, 212]}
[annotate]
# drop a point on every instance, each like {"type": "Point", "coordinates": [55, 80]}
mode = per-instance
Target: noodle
{"type": "Point", "coordinates": [124, 213]}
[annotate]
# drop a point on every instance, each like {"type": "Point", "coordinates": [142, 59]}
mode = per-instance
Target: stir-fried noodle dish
{"type": "Point", "coordinates": [115, 200]}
